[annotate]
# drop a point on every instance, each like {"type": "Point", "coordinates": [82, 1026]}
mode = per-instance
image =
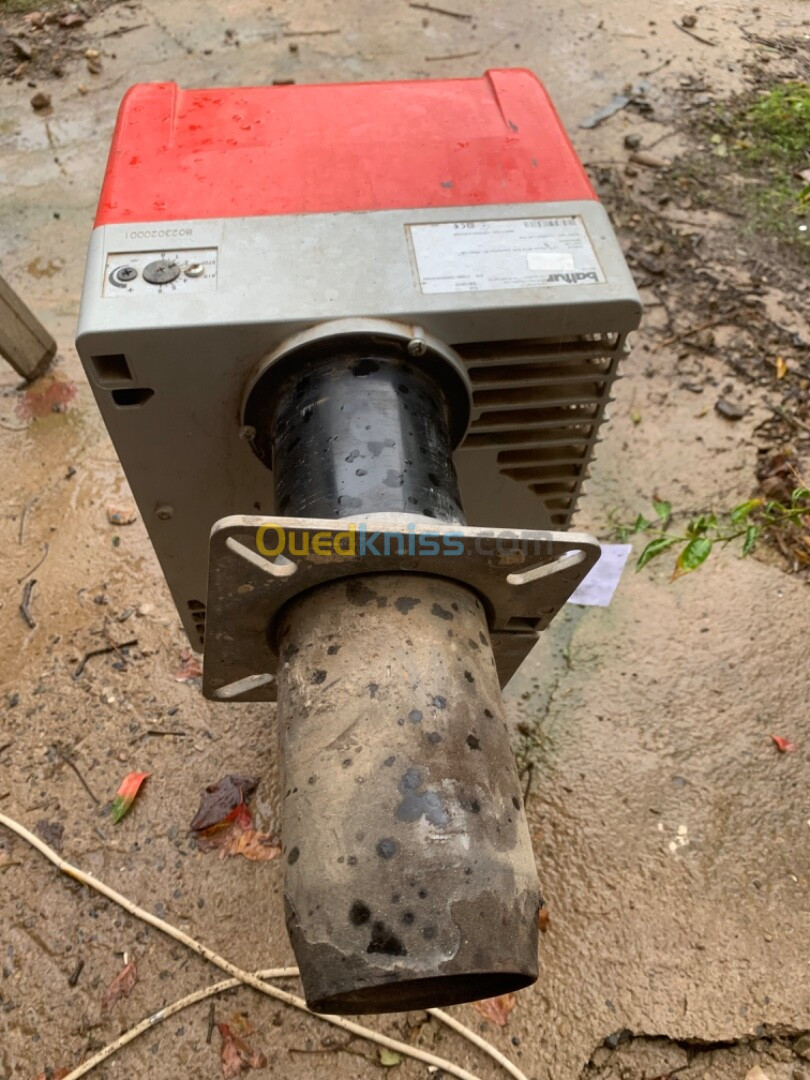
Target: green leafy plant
{"type": "Point", "coordinates": [746, 523]}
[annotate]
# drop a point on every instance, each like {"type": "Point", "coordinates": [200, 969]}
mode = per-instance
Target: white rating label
{"type": "Point", "coordinates": [526, 253]}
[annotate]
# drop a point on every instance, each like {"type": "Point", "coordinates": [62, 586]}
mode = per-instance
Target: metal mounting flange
{"type": "Point", "coordinates": [257, 564]}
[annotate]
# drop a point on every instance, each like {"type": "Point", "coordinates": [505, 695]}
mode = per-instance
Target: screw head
{"type": "Point", "coordinates": [161, 272]}
{"type": "Point", "coordinates": [417, 347]}
{"type": "Point", "coordinates": [122, 275]}
{"type": "Point", "coordinates": [194, 270]}
{"type": "Point", "coordinates": [164, 512]}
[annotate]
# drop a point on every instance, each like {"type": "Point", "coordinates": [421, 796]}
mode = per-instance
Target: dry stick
{"type": "Point", "coordinates": [688, 333]}
{"type": "Point", "coordinates": [36, 567]}
{"type": "Point", "coordinates": [482, 1044]}
{"type": "Point", "coordinates": [274, 973]}
{"type": "Point", "coordinates": [697, 37]}
{"type": "Point", "coordinates": [442, 11]}
{"type": "Point", "coordinates": [25, 604]}
{"type": "Point", "coordinates": [239, 976]}
{"type": "Point", "coordinates": [82, 781]}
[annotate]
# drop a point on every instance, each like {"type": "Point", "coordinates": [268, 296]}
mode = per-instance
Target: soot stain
{"type": "Point", "coordinates": [293, 857]}
{"type": "Point", "coordinates": [366, 366]}
{"type": "Point", "coordinates": [434, 737]}
{"type": "Point", "coordinates": [359, 593]}
{"type": "Point", "coordinates": [389, 761]}
{"type": "Point", "coordinates": [439, 702]}
{"type": "Point", "coordinates": [318, 677]}
{"type": "Point", "coordinates": [372, 689]}
{"type": "Point", "coordinates": [473, 742]}
{"type": "Point", "coordinates": [359, 913]}
{"type": "Point", "coordinates": [386, 848]}
{"type": "Point", "coordinates": [415, 716]}
{"type": "Point", "coordinates": [404, 604]}
{"type": "Point", "coordinates": [416, 803]}
{"type": "Point", "coordinates": [377, 447]}
{"type": "Point", "coordinates": [384, 940]}
{"type": "Point", "coordinates": [468, 675]}
{"type": "Point", "coordinates": [440, 612]}
{"type": "Point", "coordinates": [333, 650]}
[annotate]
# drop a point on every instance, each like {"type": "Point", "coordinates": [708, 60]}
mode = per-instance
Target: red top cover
{"type": "Point", "coordinates": [182, 154]}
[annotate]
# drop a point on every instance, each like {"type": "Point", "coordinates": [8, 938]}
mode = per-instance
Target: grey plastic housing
{"type": "Point", "coordinates": [169, 364]}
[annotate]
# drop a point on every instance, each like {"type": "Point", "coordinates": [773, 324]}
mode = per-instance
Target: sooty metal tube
{"type": "Point", "coordinates": [409, 873]}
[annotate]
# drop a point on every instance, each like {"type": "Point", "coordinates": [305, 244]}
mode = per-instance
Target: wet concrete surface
{"type": "Point", "coordinates": [671, 837]}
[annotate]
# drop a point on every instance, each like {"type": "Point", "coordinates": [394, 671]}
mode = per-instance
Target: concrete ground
{"type": "Point", "coordinates": [672, 838]}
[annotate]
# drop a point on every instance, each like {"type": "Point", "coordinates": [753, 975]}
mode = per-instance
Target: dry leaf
{"type": "Point", "coordinates": [54, 1074]}
{"type": "Point", "coordinates": [125, 796]}
{"type": "Point", "coordinates": [221, 801]}
{"type": "Point", "coordinates": [259, 847]}
{"type": "Point", "coordinates": [783, 745]}
{"type": "Point", "coordinates": [236, 1055]}
{"type": "Point", "coordinates": [121, 986]}
{"type": "Point", "coordinates": [190, 667]}
{"type": "Point", "coordinates": [496, 1009]}
{"type": "Point", "coordinates": [543, 919]}
{"type": "Point", "coordinates": [781, 367]}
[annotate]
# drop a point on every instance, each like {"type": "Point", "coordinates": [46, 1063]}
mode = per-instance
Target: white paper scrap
{"type": "Point", "coordinates": [599, 586]}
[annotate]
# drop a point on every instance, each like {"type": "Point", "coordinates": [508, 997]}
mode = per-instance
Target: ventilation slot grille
{"type": "Point", "coordinates": [197, 609]}
{"type": "Point", "coordinates": [537, 404]}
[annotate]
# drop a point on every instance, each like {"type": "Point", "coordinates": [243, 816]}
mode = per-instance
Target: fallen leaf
{"type": "Point", "coordinates": [121, 515]}
{"type": "Point", "coordinates": [496, 1009]}
{"type": "Point", "coordinates": [235, 1054]}
{"type": "Point", "coordinates": [635, 416]}
{"type": "Point", "coordinates": [389, 1058]}
{"type": "Point", "coordinates": [543, 919]}
{"type": "Point", "coordinates": [72, 19]}
{"type": "Point", "coordinates": [781, 367]}
{"type": "Point", "coordinates": [256, 846]}
{"type": "Point", "coordinates": [783, 745]}
{"type": "Point", "coordinates": [224, 799]}
{"type": "Point", "coordinates": [53, 1074]}
{"type": "Point", "coordinates": [125, 796]}
{"type": "Point", "coordinates": [190, 668]}
{"type": "Point", "coordinates": [121, 986]}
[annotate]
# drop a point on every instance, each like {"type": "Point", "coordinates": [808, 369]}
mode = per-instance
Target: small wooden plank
{"type": "Point", "coordinates": [24, 341]}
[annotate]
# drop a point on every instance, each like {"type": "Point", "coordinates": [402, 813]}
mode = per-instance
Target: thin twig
{"type": "Point", "coordinates": [74, 977]}
{"type": "Point", "coordinates": [442, 11]}
{"type": "Point", "coordinates": [36, 566]}
{"type": "Point", "coordinates": [482, 1044]}
{"type": "Point", "coordinates": [23, 514]}
{"type": "Point", "coordinates": [112, 647]}
{"type": "Point", "coordinates": [25, 603]}
{"type": "Point", "coordinates": [783, 414]}
{"type": "Point", "coordinates": [309, 33]}
{"type": "Point", "coordinates": [453, 56]}
{"type": "Point", "coordinates": [693, 330]}
{"type": "Point", "coordinates": [82, 780]}
{"type": "Point", "coordinates": [238, 975]}
{"type": "Point", "coordinates": [160, 731]}
{"type": "Point", "coordinates": [211, 1019]}
{"type": "Point", "coordinates": [124, 30]}
{"type": "Point", "coordinates": [697, 37]}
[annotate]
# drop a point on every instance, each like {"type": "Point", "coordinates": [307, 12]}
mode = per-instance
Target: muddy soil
{"type": "Point", "coordinates": [671, 835]}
